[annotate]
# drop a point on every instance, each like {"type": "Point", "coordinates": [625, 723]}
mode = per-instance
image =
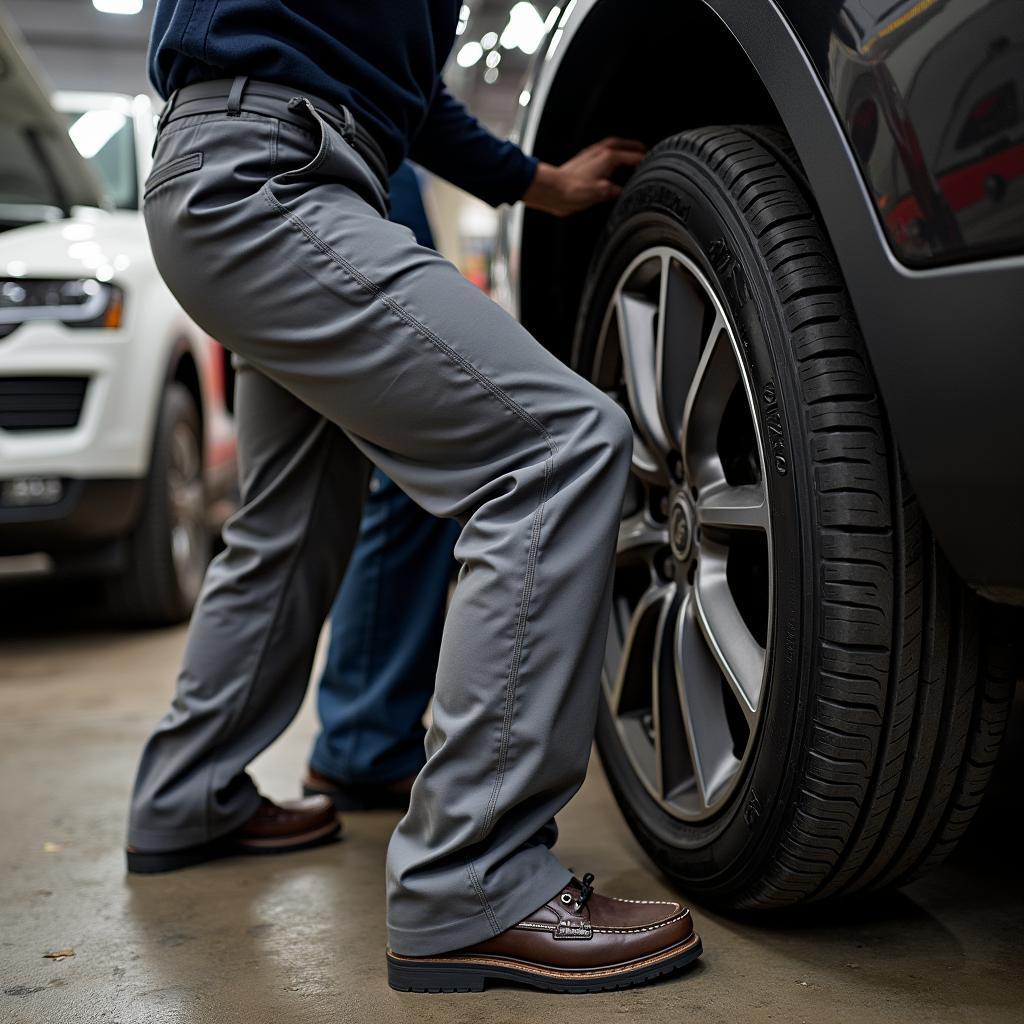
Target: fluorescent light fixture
{"type": "Point", "coordinates": [118, 6]}
{"type": "Point", "coordinates": [525, 28]}
{"type": "Point", "coordinates": [469, 54]}
{"type": "Point", "coordinates": [94, 129]}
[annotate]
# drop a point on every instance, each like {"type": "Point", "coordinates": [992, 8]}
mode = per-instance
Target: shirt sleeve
{"type": "Point", "coordinates": [454, 145]}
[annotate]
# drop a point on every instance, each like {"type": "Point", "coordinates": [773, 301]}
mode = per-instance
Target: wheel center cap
{"type": "Point", "coordinates": [681, 526]}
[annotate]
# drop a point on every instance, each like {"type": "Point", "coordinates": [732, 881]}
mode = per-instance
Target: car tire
{"type": "Point", "coordinates": [800, 699]}
{"type": "Point", "coordinates": [169, 548]}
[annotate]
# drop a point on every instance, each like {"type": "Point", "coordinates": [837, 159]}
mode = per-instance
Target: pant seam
{"type": "Point", "coordinates": [512, 677]}
{"type": "Point", "coordinates": [474, 879]}
{"type": "Point", "coordinates": [520, 641]}
{"type": "Point", "coordinates": [229, 726]}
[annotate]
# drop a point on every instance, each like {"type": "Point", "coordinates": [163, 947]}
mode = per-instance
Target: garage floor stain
{"type": "Point", "coordinates": [301, 938]}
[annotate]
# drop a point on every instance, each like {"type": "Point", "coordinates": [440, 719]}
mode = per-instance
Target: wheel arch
{"type": "Point", "coordinates": [183, 369]}
{"type": "Point", "coordinates": [750, 66]}
{"type": "Point", "coordinates": [706, 56]}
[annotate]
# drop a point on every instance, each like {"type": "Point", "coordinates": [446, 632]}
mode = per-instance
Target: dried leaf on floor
{"type": "Point", "coordinates": [59, 954]}
{"type": "Point", "coordinates": [49, 847]}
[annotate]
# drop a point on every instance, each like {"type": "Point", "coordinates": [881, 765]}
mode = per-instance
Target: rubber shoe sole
{"type": "Point", "coordinates": [140, 862]}
{"type": "Point", "coordinates": [472, 973]}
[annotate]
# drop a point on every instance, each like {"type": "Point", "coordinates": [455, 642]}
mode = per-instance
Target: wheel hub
{"type": "Point", "coordinates": [681, 531]}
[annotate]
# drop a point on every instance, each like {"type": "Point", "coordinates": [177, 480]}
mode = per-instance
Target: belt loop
{"type": "Point", "coordinates": [348, 123]}
{"type": "Point", "coordinates": [162, 119]}
{"type": "Point", "coordinates": [235, 95]}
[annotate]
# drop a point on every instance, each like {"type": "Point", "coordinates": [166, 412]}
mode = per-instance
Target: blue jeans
{"type": "Point", "coordinates": [385, 633]}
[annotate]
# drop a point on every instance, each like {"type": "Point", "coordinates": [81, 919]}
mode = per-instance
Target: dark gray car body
{"type": "Point", "coordinates": [908, 120]}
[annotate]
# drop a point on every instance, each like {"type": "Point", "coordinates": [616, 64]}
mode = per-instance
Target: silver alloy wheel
{"type": "Point", "coordinates": [188, 510]}
{"type": "Point", "coordinates": [686, 660]}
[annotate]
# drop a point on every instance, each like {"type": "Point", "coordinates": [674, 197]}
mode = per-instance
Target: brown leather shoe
{"type": "Point", "coordinates": [346, 796]}
{"type": "Point", "coordinates": [577, 942]}
{"type": "Point", "coordinates": [274, 828]}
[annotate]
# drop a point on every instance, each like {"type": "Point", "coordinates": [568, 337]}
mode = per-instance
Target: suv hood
{"type": "Point", "coordinates": [90, 241]}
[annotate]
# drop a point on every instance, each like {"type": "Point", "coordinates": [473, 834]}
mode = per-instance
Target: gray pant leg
{"type": "Point", "coordinates": [298, 272]}
{"type": "Point", "coordinates": [254, 631]}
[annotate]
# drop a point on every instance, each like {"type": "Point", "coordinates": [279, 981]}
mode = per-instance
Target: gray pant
{"type": "Point", "coordinates": [362, 345]}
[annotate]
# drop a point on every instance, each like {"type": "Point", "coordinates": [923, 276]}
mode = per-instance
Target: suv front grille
{"type": "Point", "coordinates": [41, 403]}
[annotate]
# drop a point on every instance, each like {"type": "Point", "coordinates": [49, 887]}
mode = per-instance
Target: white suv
{"type": "Point", "coordinates": [117, 450]}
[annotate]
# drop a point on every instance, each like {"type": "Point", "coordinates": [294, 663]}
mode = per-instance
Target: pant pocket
{"type": "Point", "coordinates": [165, 172]}
{"type": "Point", "coordinates": [319, 128]}
{"type": "Point", "coordinates": [334, 162]}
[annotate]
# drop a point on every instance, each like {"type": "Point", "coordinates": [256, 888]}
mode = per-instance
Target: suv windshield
{"type": "Point", "coordinates": [26, 166]}
{"type": "Point", "coordinates": [106, 139]}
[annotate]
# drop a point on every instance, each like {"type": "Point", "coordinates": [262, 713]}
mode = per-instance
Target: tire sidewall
{"type": "Point", "coordinates": [149, 590]}
{"type": "Point", "coordinates": [676, 200]}
{"type": "Point", "coordinates": [178, 407]}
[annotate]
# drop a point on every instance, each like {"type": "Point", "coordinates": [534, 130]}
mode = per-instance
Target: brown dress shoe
{"type": "Point", "coordinates": [367, 796]}
{"type": "Point", "coordinates": [274, 828]}
{"type": "Point", "coordinates": [577, 942]}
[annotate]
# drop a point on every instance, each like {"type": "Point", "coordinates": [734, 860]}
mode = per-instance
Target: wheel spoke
{"type": "Point", "coordinates": [704, 715]}
{"type": "Point", "coordinates": [681, 310]}
{"type": "Point", "coordinates": [185, 452]}
{"type": "Point", "coordinates": [713, 382]}
{"type": "Point", "coordinates": [631, 688]}
{"type": "Point", "coordinates": [639, 538]}
{"type": "Point", "coordinates": [637, 318]}
{"type": "Point", "coordinates": [645, 465]}
{"type": "Point", "coordinates": [740, 657]}
{"type": "Point", "coordinates": [675, 774]}
{"type": "Point", "coordinates": [738, 508]}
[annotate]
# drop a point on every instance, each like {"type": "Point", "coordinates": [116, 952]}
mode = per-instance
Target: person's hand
{"type": "Point", "coordinates": [585, 180]}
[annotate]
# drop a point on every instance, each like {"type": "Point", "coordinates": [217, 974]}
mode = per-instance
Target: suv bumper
{"type": "Point", "coordinates": [111, 435]}
{"type": "Point", "coordinates": [87, 512]}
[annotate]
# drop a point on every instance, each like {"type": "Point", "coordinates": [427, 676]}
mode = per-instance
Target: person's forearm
{"type": "Point", "coordinates": [453, 145]}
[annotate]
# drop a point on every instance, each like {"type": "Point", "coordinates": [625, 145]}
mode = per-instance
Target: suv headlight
{"type": "Point", "coordinates": [83, 302]}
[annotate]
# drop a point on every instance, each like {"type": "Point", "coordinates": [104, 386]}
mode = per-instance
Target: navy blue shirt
{"type": "Point", "coordinates": [381, 58]}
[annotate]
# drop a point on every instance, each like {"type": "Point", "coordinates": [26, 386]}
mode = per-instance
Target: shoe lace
{"type": "Point", "coordinates": [586, 890]}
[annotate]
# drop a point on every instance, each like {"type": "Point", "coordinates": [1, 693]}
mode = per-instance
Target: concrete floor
{"type": "Point", "coordinates": [301, 938]}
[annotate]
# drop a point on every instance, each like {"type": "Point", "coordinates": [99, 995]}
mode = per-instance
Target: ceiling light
{"type": "Point", "coordinates": [525, 28]}
{"type": "Point", "coordinates": [118, 6]}
{"type": "Point", "coordinates": [469, 54]}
